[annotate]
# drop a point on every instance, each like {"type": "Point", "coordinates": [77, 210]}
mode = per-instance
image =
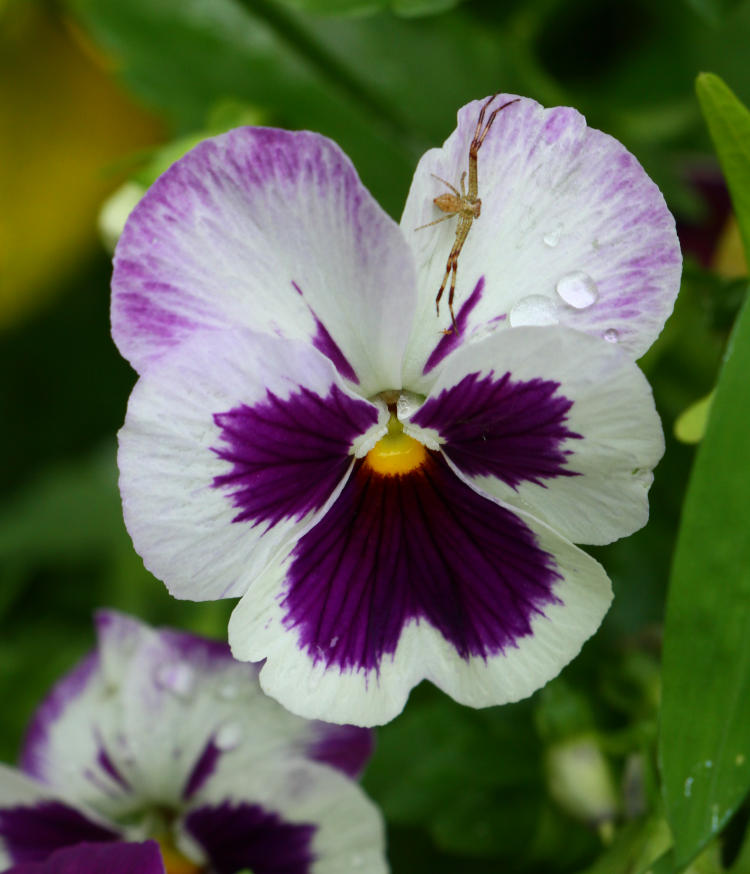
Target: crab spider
{"type": "Point", "coordinates": [464, 204]}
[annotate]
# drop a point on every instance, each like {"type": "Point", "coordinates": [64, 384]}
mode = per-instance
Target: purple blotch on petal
{"type": "Point", "coordinates": [31, 832]}
{"type": "Point", "coordinates": [326, 345]}
{"type": "Point", "coordinates": [115, 858]}
{"type": "Point", "coordinates": [108, 766]}
{"type": "Point", "coordinates": [288, 455]}
{"type": "Point", "coordinates": [347, 748]}
{"type": "Point", "coordinates": [513, 430]}
{"type": "Point", "coordinates": [238, 836]}
{"type": "Point", "coordinates": [421, 547]}
{"type": "Point", "coordinates": [453, 339]}
{"type": "Point", "coordinates": [73, 684]}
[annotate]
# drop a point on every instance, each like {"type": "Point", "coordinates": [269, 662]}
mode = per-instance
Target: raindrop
{"type": "Point", "coordinates": [611, 335]}
{"type": "Point", "coordinates": [536, 309]}
{"type": "Point", "coordinates": [553, 237]}
{"type": "Point", "coordinates": [688, 787]}
{"type": "Point", "coordinates": [228, 691]}
{"type": "Point", "coordinates": [228, 736]}
{"type": "Point", "coordinates": [708, 763]}
{"type": "Point", "coordinates": [176, 678]}
{"type": "Point", "coordinates": [714, 817]}
{"type": "Point", "coordinates": [577, 289]}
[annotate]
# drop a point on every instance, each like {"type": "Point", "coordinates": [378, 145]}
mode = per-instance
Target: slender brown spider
{"type": "Point", "coordinates": [465, 204]}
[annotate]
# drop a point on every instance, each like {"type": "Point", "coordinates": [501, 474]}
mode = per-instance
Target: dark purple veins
{"type": "Point", "coordinates": [239, 836]}
{"type": "Point", "coordinates": [288, 455]}
{"type": "Point", "coordinates": [422, 547]}
{"type": "Point", "coordinates": [31, 832]}
{"type": "Point", "coordinates": [513, 430]}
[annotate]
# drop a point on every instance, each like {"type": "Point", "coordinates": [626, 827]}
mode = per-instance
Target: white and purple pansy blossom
{"type": "Point", "coordinates": [159, 754]}
{"type": "Point", "coordinates": [391, 499]}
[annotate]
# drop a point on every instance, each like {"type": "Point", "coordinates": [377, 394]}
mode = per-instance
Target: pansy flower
{"type": "Point", "coordinates": [159, 754]}
{"type": "Point", "coordinates": [392, 499]}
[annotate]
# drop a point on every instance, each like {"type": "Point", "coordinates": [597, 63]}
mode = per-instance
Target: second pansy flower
{"type": "Point", "coordinates": [393, 502]}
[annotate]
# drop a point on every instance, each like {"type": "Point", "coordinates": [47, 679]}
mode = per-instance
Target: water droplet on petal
{"type": "Point", "coordinates": [553, 237]}
{"type": "Point", "coordinates": [228, 691]}
{"type": "Point", "coordinates": [536, 309]}
{"type": "Point", "coordinates": [611, 335]}
{"type": "Point", "coordinates": [228, 737]}
{"type": "Point", "coordinates": [577, 289]}
{"type": "Point", "coordinates": [333, 641]}
{"type": "Point", "coordinates": [176, 678]}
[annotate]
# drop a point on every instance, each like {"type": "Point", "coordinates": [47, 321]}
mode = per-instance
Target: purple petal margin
{"type": "Point", "coordinates": [116, 858]}
{"type": "Point", "coordinates": [237, 836]}
{"type": "Point", "coordinates": [424, 547]}
{"type": "Point", "coordinates": [289, 455]}
{"type": "Point", "coordinates": [31, 832]}
{"type": "Point", "coordinates": [50, 710]}
{"type": "Point", "coordinates": [497, 427]}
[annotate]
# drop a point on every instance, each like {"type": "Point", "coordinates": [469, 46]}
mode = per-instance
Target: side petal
{"type": "Point", "coordinates": [270, 230]}
{"type": "Point", "coordinates": [35, 821]}
{"type": "Point", "coordinates": [571, 230]}
{"type": "Point", "coordinates": [413, 577]}
{"type": "Point", "coordinates": [554, 422]}
{"type": "Point", "coordinates": [113, 858]}
{"type": "Point", "coordinates": [298, 818]}
{"type": "Point", "coordinates": [232, 444]}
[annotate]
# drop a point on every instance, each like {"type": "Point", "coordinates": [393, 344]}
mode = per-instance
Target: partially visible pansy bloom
{"type": "Point", "coordinates": [159, 753]}
{"type": "Point", "coordinates": [391, 501]}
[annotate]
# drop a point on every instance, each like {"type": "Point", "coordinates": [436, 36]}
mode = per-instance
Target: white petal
{"type": "Point", "coordinates": [270, 230]}
{"type": "Point", "coordinates": [183, 522]}
{"type": "Point", "coordinates": [612, 410]}
{"type": "Point", "coordinates": [569, 219]}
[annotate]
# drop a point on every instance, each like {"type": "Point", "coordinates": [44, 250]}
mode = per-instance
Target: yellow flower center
{"type": "Point", "coordinates": [396, 453]}
{"type": "Point", "coordinates": [176, 863]}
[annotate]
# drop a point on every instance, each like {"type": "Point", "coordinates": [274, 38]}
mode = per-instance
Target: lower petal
{"type": "Point", "coordinates": [413, 577]}
{"type": "Point", "coordinates": [115, 858]}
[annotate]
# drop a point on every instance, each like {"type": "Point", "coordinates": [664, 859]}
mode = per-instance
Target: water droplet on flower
{"type": "Point", "coordinates": [228, 736]}
{"type": "Point", "coordinates": [577, 289]}
{"type": "Point", "coordinates": [536, 309]}
{"type": "Point", "coordinates": [611, 335]}
{"type": "Point", "coordinates": [553, 237]}
{"type": "Point", "coordinates": [333, 641]}
{"type": "Point", "coordinates": [228, 691]}
{"type": "Point", "coordinates": [176, 678]}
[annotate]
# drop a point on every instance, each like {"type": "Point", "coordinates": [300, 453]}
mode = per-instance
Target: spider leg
{"type": "Point", "coordinates": [451, 265]}
{"type": "Point", "coordinates": [447, 184]}
{"type": "Point", "coordinates": [436, 222]}
{"type": "Point", "coordinates": [452, 293]}
{"type": "Point", "coordinates": [479, 134]}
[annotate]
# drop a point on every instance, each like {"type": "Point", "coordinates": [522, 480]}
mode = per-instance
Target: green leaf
{"type": "Point", "coordinates": [729, 125]}
{"type": "Point", "coordinates": [704, 742]}
{"type": "Point", "coordinates": [714, 10]}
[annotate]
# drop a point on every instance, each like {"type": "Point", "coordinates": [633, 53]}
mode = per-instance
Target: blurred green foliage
{"type": "Point", "coordinates": [464, 791]}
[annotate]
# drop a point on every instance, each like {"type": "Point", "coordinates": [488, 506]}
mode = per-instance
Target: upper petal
{"type": "Point", "coordinates": [270, 230]}
{"type": "Point", "coordinates": [231, 446]}
{"type": "Point", "coordinates": [554, 422]}
{"type": "Point", "coordinates": [571, 230]}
